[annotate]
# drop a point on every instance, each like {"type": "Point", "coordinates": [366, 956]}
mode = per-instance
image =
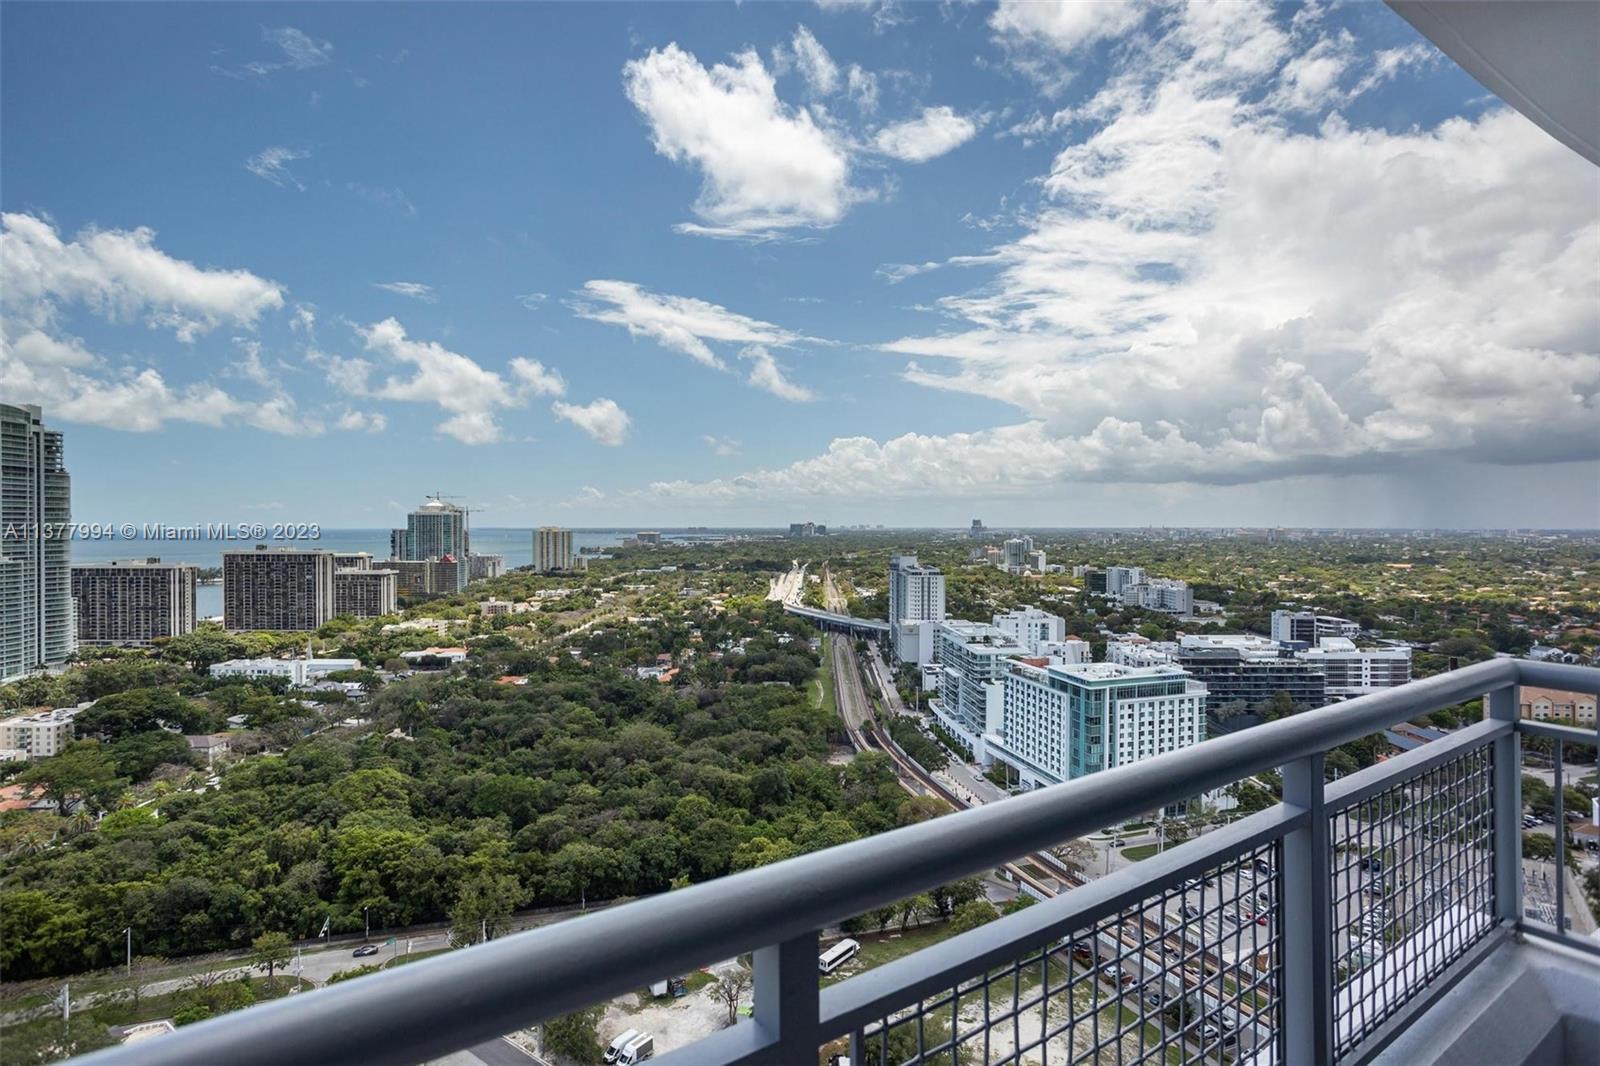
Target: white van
{"type": "Point", "coordinates": [838, 955]}
{"type": "Point", "coordinates": [643, 1047]}
{"type": "Point", "coordinates": [616, 1047]}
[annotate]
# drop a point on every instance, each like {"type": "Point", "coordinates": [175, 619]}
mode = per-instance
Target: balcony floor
{"type": "Point", "coordinates": [1530, 1003]}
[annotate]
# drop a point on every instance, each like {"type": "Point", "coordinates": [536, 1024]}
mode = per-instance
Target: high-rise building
{"type": "Point", "coordinates": [397, 544]}
{"type": "Point", "coordinates": [552, 549]}
{"type": "Point", "coordinates": [1239, 668]}
{"type": "Point", "coordinates": [916, 596]}
{"type": "Point", "coordinates": [364, 592]}
{"type": "Point", "coordinates": [420, 578]}
{"type": "Point", "coordinates": [485, 566]}
{"type": "Point", "coordinates": [438, 530]}
{"type": "Point", "coordinates": [133, 602]}
{"type": "Point", "coordinates": [36, 623]}
{"type": "Point", "coordinates": [1307, 627]}
{"type": "Point", "coordinates": [1120, 577]}
{"type": "Point", "coordinates": [972, 658]}
{"type": "Point", "coordinates": [1016, 553]}
{"type": "Point", "coordinates": [648, 537]}
{"type": "Point", "coordinates": [1059, 722]}
{"type": "Point", "coordinates": [352, 561]}
{"type": "Point", "coordinates": [277, 588]}
{"type": "Point", "coordinates": [977, 529]}
{"type": "Point", "coordinates": [1031, 627]}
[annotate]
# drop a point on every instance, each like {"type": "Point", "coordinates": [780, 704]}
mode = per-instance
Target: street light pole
{"type": "Point", "coordinates": [367, 921]}
{"type": "Point", "coordinates": [129, 931]}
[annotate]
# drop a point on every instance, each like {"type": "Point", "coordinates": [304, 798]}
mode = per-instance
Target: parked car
{"type": "Point", "coordinates": [365, 951]}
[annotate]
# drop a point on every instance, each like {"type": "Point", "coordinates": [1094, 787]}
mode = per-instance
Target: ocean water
{"type": "Point", "coordinates": [515, 544]}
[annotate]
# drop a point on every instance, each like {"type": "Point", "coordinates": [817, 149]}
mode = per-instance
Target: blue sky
{"type": "Point", "coordinates": [681, 263]}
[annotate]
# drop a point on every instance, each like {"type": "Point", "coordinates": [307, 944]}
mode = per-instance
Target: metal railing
{"type": "Point", "coordinates": [1310, 932]}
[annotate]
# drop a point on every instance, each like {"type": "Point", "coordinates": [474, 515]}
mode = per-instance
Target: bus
{"type": "Point", "coordinates": [838, 955]}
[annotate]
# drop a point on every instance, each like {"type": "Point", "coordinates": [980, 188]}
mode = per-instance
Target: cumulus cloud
{"type": "Point", "coordinates": [1209, 292]}
{"type": "Point", "coordinates": [271, 164]}
{"type": "Point", "coordinates": [766, 167]}
{"type": "Point", "coordinates": [414, 290]}
{"type": "Point", "coordinates": [602, 419]}
{"type": "Point", "coordinates": [681, 323]}
{"type": "Point", "coordinates": [936, 131]}
{"type": "Point", "coordinates": [118, 275]}
{"type": "Point", "coordinates": [470, 394]}
{"type": "Point", "coordinates": [767, 375]}
{"type": "Point", "coordinates": [723, 446]}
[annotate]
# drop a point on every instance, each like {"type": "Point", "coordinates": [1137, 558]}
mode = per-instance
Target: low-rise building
{"type": "Point", "coordinates": [1030, 627]}
{"type": "Point", "coordinates": [1242, 668]}
{"type": "Point", "coordinates": [1548, 704]}
{"type": "Point", "coordinates": [449, 656]}
{"type": "Point", "coordinates": [1305, 627]}
{"type": "Point", "coordinates": [41, 734]}
{"type": "Point", "coordinates": [1352, 671]}
{"type": "Point", "coordinates": [295, 671]}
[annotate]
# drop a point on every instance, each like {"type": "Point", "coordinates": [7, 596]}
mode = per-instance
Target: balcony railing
{"type": "Point", "coordinates": [1322, 926]}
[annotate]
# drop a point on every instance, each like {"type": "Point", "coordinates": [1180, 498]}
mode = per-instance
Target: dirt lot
{"type": "Point", "coordinates": [673, 1022]}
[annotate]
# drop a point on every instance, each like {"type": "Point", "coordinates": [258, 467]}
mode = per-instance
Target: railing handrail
{"type": "Point", "coordinates": [511, 983]}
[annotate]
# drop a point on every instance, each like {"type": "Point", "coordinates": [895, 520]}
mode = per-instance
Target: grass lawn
{"type": "Point", "coordinates": [824, 694]}
{"type": "Point", "coordinates": [875, 951]}
{"type": "Point", "coordinates": [415, 956]}
{"type": "Point", "coordinates": [1139, 851]}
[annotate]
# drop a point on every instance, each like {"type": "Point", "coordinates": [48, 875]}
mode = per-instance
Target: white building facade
{"type": "Point", "coordinates": [916, 597]}
{"type": "Point", "coordinates": [1059, 722]}
{"type": "Point", "coordinates": [1031, 627]}
{"type": "Point", "coordinates": [1353, 671]}
{"type": "Point", "coordinates": [297, 671]}
{"type": "Point", "coordinates": [972, 661]}
{"type": "Point", "coordinates": [39, 735]}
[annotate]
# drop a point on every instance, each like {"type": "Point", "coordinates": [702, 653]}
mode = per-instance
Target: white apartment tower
{"type": "Point", "coordinates": [916, 596]}
{"type": "Point", "coordinates": [552, 549]}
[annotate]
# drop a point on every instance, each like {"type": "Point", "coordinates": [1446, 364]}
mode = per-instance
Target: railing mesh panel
{"type": "Point", "coordinates": [1412, 888]}
{"type": "Point", "coordinates": [1186, 975]}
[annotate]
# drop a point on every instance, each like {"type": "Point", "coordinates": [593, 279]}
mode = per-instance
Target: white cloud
{"type": "Point", "coordinates": [766, 167]}
{"type": "Point", "coordinates": [862, 86]}
{"type": "Point", "coordinates": [414, 290]}
{"type": "Point", "coordinates": [723, 446]}
{"type": "Point", "coordinates": [297, 51]}
{"type": "Point", "coordinates": [767, 375]}
{"type": "Point", "coordinates": [120, 273]}
{"type": "Point", "coordinates": [362, 421]}
{"type": "Point", "coordinates": [533, 300]}
{"type": "Point", "coordinates": [538, 379]}
{"type": "Point", "coordinates": [472, 395]}
{"type": "Point", "coordinates": [681, 323]}
{"type": "Point", "coordinates": [602, 419]}
{"type": "Point", "coordinates": [1064, 26]}
{"type": "Point", "coordinates": [936, 131]}
{"type": "Point", "coordinates": [1211, 292]}
{"type": "Point", "coordinates": [816, 65]}
{"type": "Point", "coordinates": [271, 164]}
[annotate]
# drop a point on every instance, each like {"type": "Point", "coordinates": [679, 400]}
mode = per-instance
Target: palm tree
{"type": "Point", "coordinates": [31, 842]}
{"type": "Point", "coordinates": [126, 800]}
{"type": "Point", "coordinates": [80, 822]}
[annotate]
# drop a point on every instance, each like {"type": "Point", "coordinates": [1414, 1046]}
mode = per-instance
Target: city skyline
{"type": "Point", "coordinates": [1135, 267]}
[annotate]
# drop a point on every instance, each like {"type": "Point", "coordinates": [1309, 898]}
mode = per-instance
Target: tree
{"type": "Point", "coordinates": [911, 908]}
{"type": "Point", "coordinates": [972, 914]}
{"type": "Point", "coordinates": [484, 906]}
{"type": "Point", "coordinates": [81, 773]}
{"type": "Point", "coordinates": [269, 951]}
{"type": "Point", "coordinates": [143, 967]}
{"type": "Point", "coordinates": [731, 987]}
{"type": "Point", "coordinates": [575, 1037]}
